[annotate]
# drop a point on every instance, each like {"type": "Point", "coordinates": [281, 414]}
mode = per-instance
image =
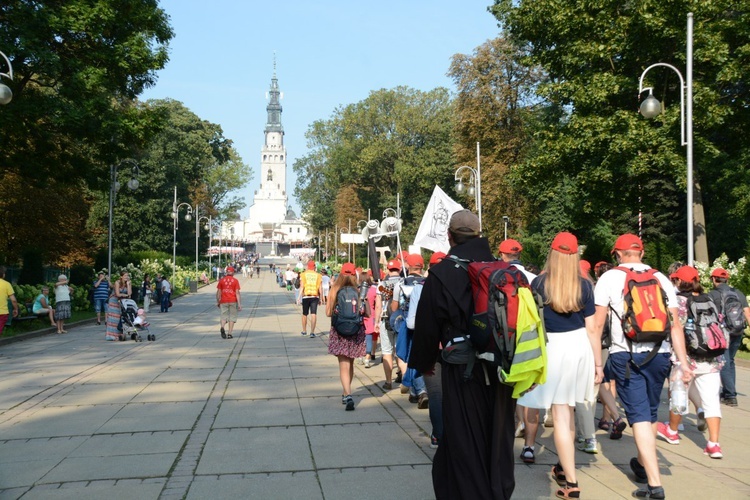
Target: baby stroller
{"type": "Point", "coordinates": [130, 327]}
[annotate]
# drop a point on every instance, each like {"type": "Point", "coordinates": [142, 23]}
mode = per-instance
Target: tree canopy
{"type": "Point", "coordinates": [594, 149]}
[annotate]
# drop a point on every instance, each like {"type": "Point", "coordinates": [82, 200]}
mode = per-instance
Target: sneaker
{"type": "Point", "coordinates": [387, 386]}
{"type": "Point", "coordinates": [667, 434]}
{"type": "Point", "coordinates": [367, 363]}
{"type": "Point", "coordinates": [349, 403]}
{"type": "Point", "coordinates": [701, 423]}
{"type": "Point", "coordinates": [223, 333]}
{"type": "Point", "coordinates": [589, 446]}
{"type": "Point", "coordinates": [729, 401]}
{"type": "Point", "coordinates": [413, 398]}
{"type": "Point", "coordinates": [304, 334]}
{"type": "Point", "coordinates": [617, 427]}
{"type": "Point", "coordinates": [312, 335]}
{"type": "Point", "coordinates": [520, 430]}
{"type": "Point", "coordinates": [404, 389]}
{"type": "Point", "coordinates": [434, 442]}
{"type": "Point", "coordinates": [650, 492]}
{"type": "Point", "coordinates": [639, 471]}
{"type": "Point", "coordinates": [548, 422]}
{"type": "Point", "coordinates": [360, 361]}
{"type": "Point", "coordinates": [398, 378]}
{"type": "Point", "coordinates": [343, 399]}
{"type": "Point", "coordinates": [713, 451]}
{"type": "Point", "coordinates": [423, 402]}
{"type": "Point", "coordinates": [527, 455]}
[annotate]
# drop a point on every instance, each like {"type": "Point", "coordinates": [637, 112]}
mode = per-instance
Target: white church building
{"type": "Point", "coordinates": [271, 228]}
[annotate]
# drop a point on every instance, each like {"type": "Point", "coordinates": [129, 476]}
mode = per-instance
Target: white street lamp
{"type": "Point", "coordinates": [175, 217]}
{"type": "Point", "coordinates": [197, 235]}
{"type": "Point", "coordinates": [474, 187]}
{"type": "Point", "coordinates": [5, 93]}
{"type": "Point", "coordinates": [114, 187]}
{"type": "Point", "coordinates": [651, 107]}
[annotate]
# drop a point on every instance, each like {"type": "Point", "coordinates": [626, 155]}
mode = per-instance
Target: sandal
{"type": "Point", "coordinates": [604, 425]}
{"type": "Point", "coordinates": [559, 475]}
{"type": "Point", "coordinates": [570, 490]}
{"type": "Point", "coordinates": [229, 336]}
{"type": "Point", "coordinates": [617, 427]}
{"type": "Point", "coordinates": [223, 333]}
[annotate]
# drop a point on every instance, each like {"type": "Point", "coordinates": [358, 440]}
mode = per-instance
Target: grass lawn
{"type": "Point", "coordinates": [30, 326]}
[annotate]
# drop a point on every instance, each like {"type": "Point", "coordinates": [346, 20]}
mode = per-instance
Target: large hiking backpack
{"type": "Point", "coordinates": [706, 339]}
{"type": "Point", "coordinates": [731, 308]}
{"type": "Point", "coordinates": [347, 317]}
{"type": "Point", "coordinates": [492, 331]}
{"type": "Point", "coordinates": [645, 317]}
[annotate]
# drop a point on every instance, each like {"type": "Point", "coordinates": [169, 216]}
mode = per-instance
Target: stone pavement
{"type": "Point", "coordinates": [259, 416]}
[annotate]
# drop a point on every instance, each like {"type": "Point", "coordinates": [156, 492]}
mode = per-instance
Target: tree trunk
{"type": "Point", "coordinates": [699, 226]}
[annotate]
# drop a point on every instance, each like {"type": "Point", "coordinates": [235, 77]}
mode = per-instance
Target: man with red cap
{"type": "Point", "coordinates": [388, 335]}
{"type": "Point", "coordinates": [311, 283]}
{"type": "Point", "coordinates": [733, 305]}
{"type": "Point", "coordinates": [639, 388]}
{"type": "Point", "coordinates": [412, 382]}
{"type": "Point", "coordinates": [228, 301]}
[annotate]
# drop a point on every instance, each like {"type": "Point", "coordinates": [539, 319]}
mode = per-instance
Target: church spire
{"type": "Point", "coordinates": [273, 123]}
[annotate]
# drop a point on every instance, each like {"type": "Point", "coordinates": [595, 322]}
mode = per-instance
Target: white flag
{"type": "Point", "coordinates": [433, 231]}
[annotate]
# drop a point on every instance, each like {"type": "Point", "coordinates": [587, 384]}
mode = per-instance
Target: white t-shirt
{"type": "Point", "coordinates": [165, 286]}
{"type": "Point", "coordinates": [609, 292]}
{"type": "Point", "coordinates": [289, 275]}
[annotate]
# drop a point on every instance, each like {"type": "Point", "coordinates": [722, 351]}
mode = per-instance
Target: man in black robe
{"type": "Point", "coordinates": [475, 457]}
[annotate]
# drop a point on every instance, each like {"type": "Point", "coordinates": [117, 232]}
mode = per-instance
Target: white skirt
{"type": "Point", "coordinates": [570, 372]}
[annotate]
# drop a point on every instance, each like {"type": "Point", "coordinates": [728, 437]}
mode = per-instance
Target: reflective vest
{"type": "Point", "coordinates": [311, 281]}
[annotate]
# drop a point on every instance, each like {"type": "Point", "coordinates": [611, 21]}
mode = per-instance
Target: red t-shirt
{"type": "Point", "coordinates": [229, 287]}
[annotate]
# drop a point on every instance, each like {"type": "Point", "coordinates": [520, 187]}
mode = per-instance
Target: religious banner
{"type": "Point", "coordinates": [433, 230]}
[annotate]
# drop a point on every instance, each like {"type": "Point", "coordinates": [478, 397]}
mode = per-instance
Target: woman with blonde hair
{"type": "Point", "coordinates": [345, 347]}
{"type": "Point", "coordinates": [573, 353]}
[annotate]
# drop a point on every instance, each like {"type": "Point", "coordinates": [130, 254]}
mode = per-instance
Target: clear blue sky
{"type": "Point", "coordinates": [328, 54]}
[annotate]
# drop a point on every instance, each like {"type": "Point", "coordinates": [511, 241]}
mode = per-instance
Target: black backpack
{"type": "Point", "coordinates": [347, 316]}
{"type": "Point", "coordinates": [731, 308]}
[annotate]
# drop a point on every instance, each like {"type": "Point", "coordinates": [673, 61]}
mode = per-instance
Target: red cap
{"type": "Point", "coordinates": [348, 268]}
{"type": "Point", "coordinates": [510, 246]}
{"type": "Point", "coordinates": [436, 257]}
{"type": "Point", "coordinates": [565, 243]}
{"type": "Point", "coordinates": [685, 273]}
{"type": "Point", "coordinates": [585, 266]}
{"type": "Point", "coordinates": [628, 242]}
{"type": "Point", "coordinates": [230, 270]}
{"type": "Point", "coordinates": [720, 272]}
{"type": "Point", "coordinates": [311, 264]}
{"type": "Point", "coordinates": [394, 264]}
{"type": "Point", "coordinates": [414, 260]}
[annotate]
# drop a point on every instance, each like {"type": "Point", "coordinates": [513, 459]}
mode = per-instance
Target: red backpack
{"type": "Point", "coordinates": [492, 325]}
{"type": "Point", "coordinates": [645, 317]}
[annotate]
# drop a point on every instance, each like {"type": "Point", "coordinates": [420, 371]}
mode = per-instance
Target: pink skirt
{"type": "Point", "coordinates": [352, 346]}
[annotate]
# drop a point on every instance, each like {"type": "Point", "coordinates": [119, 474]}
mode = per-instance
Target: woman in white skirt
{"type": "Point", "coordinates": [573, 353]}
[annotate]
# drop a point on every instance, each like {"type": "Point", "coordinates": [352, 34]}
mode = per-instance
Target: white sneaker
{"type": "Point", "coordinates": [367, 363]}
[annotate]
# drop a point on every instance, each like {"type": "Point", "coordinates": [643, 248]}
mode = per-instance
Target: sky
{"type": "Point", "coordinates": [328, 54]}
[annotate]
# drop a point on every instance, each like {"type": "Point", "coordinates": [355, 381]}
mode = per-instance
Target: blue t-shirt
{"type": "Point", "coordinates": [558, 322]}
{"type": "Point", "coordinates": [101, 292]}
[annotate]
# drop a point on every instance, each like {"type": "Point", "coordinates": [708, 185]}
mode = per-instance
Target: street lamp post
{"type": "Point", "coordinates": [474, 186]}
{"type": "Point", "coordinates": [175, 216]}
{"type": "Point", "coordinates": [114, 186]}
{"type": "Point", "coordinates": [197, 235]}
{"type": "Point", "coordinates": [5, 93]}
{"type": "Point", "coordinates": [651, 107]}
{"type": "Point", "coordinates": [505, 223]}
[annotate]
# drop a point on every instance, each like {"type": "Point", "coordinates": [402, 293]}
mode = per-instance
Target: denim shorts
{"type": "Point", "coordinates": [640, 394]}
{"type": "Point", "coordinates": [100, 305]}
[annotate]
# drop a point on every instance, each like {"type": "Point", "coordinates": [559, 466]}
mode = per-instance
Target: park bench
{"type": "Point", "coordinates": [21, 319]}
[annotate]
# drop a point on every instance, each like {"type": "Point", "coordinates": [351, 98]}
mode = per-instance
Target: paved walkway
{"type": "Point", "coordinates": [195, 416]}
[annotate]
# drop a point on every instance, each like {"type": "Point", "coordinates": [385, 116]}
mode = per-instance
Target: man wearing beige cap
{"type": "Point", "coordinates": [475, 456]}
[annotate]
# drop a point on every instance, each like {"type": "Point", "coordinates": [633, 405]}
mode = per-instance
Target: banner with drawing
{"type": "Point", "coordinates": [433, 231]}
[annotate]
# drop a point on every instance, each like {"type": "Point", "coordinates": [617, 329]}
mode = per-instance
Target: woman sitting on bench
{"type": "Point", "coordinates": [41, 306]}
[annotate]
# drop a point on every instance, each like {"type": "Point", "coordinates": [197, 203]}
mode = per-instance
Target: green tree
{"type": "Point", "coordinates": [393, 142]}
{"type": "Point", "coordinates": [591, 135]}
{"type": "Point", "coordinates": [77, 66]}
{"type": "Point", "coordinates": [496, 94]}
{"type": "Point", "coordinates": [188, 153]}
